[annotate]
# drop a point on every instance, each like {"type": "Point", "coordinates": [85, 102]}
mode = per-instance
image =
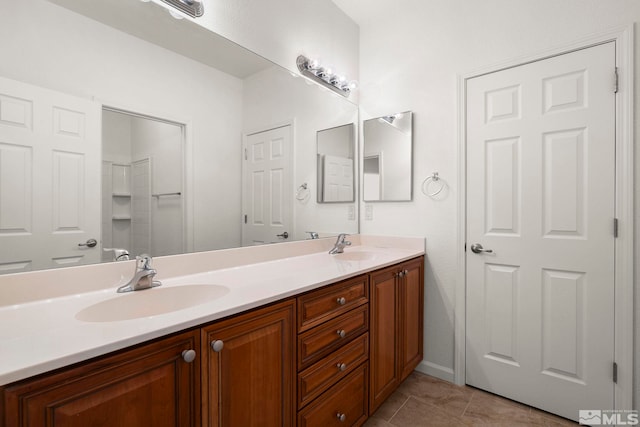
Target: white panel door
{"type": "Point", "coordinates": [50, 171]}
{"type": "Point", "coordinates": [540, 195]}
{"type": "Point", "coordinates": [267, 199]}
{"type": "Point", "coordinates": [338, 179]}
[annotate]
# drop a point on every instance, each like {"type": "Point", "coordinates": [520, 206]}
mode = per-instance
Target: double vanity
{"type": "Point", "coordinates": [281, 334]}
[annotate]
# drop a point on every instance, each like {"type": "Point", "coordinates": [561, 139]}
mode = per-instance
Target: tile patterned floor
{"type": "Point", "coordinates": [423, 401]}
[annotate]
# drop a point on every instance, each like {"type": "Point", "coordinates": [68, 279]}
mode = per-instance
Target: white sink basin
{"type": "Point", "coordinates": [150, 302]}
{"type": "Point", "coordinates": [355, 256]}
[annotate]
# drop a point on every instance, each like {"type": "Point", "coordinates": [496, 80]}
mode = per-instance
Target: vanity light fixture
{"type": "Point", "coordinates": [325, 75]}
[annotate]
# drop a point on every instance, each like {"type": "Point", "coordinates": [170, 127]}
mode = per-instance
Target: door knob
{"type": "Point", "coordinates": [89, 243]}
{"type": "Point", "coordinates": [477, 248]}
{"type": "Point", "coordinates": [284, 235]}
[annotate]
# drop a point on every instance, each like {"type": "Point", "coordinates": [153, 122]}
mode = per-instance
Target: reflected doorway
{"type": "Point", "coordinates": [142, 186]}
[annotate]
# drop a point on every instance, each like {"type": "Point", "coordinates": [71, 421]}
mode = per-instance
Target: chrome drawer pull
{"type": "Point", "coordinates": [341, 366]}
{"type": "Point", "coordinates": [341, 417]}
{"type": "Point", "coordinates": [342, 333]}
{"type": "Point", "coordinates": [341, 300]}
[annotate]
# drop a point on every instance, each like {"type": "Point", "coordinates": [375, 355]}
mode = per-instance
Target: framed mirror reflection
{"type": "Point", "coordinates": [336, 164]}
{"type": "Point", "coordinates": [388, 158]}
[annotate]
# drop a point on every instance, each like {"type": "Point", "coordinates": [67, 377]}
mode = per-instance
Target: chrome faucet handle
{"type": "Point", "coordinates": [313, 234]}
{"type": "Point", "coordinates": [143, 262]}
{"type": "Point", "coordinates": [341, 238]}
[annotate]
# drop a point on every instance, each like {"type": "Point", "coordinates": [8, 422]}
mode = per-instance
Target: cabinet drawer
{"type": "Point", "coordinates": [318, 342]}
{"type": "Point", "coordinates": [346, 399]}
{"type": "Point", "coordinates": [331, 301]}
{"type": "Point", "coordinates": [323, 374]}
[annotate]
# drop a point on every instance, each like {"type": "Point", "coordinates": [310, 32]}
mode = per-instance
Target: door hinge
{"type": "Point", "coordinates": [246, 156]}
{"type": "Point", "coordinates": [615, 227]}
{"type": "Point", "coordinates": [245, 218]}
{"type": "Point", "coordinates": [615, 80]}
{"type": "Point", "coordinates": [615, 372]}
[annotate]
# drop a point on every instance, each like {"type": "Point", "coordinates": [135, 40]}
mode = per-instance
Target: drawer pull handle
{"type": "Point", "coordinates": [341, 300]}
{"type": "Point", "coordinates": [217, 345]}
{"type": "Point", "coordinates": [342, 333]}
{"type": "Point", "coordinates": [341, 417]}
{"type": "Point", "coordinates": [189, 355]}
{"type": "Point", "coordinates": [342, 366]}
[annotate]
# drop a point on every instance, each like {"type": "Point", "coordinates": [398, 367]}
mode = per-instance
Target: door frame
{"type": "Point", "coordinates": [624, 204]}
{"type": "Point", "coordinates": [292, 172]}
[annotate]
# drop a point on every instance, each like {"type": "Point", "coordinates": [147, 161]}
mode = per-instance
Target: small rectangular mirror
{"type": "Point", "coordinates": [336, 154]}
{"type": "Point", "coordinates": [388, 158]}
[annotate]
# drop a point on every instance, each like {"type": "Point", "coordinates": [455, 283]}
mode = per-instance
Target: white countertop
{"type": "Point", "coordinates": [44, 334]}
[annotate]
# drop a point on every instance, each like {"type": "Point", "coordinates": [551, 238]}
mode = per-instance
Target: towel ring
{"type": "Point", "coordinates": [429, 181]}
{"type": "Point", "coordinates": [302, 193]}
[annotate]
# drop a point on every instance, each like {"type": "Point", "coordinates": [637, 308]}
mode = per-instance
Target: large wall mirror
{"type": "Point", "coordinates": [124, 128]}
{"type": "Point", "coordinates": [388, 158]}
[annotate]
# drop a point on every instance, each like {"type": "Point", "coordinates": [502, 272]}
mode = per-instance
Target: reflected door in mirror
{"type": "Point", "coordinates": [49, 178]}
{"type": "Point", "coordinates": [268, 196]}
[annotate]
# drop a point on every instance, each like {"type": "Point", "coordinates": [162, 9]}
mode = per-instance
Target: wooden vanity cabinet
{"type": "Point", "coordinates": [149, 385]}
{"type": "Point", "coordinates": [248, 369]}
{"type": "Point", "coordinates": [396, 329]}
{"type": "Point", "coordinates": [329, 356]}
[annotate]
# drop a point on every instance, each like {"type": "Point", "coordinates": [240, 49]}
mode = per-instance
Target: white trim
{"type": "Point", "coordinates": [624, 264]}
{"type": "Point", "coordinates": [435, 370]}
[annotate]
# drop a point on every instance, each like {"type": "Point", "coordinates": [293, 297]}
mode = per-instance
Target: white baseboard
{"type": "Point", "coordinates": [435, 370]}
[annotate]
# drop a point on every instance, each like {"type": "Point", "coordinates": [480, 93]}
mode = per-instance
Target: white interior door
{"type": "Point", "coordinates": [540, 195]}
{"type": "Point", "coordinates": [338, 179]}
{"type": "Point", "coordinates": [50, 172]}
{"type": "Point", "coordinates": [267, 199]}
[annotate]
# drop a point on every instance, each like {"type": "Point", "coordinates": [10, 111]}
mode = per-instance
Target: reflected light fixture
{"type": "Point", "coordinates": [192, 8]}
{"type": "Point", "coordinates": [325, 75]}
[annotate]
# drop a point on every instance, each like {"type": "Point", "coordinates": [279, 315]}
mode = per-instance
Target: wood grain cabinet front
{"type": "Point", "coordinates": [155, 384]}
{"type": "Point", "coordinates": [249, 369]}
{"type": "Point", "coordinates": [397, 301]}
{"type": "Point", "coordinates": [344, 404]}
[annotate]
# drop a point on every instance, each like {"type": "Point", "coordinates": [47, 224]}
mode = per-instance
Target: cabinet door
{"type": "Point", "coordinates": [411, 296]}
{"type": "Point", "coordinates": [248, 376]}
{"type": "Point", "coordinates": [151, 385]}
{"type": "Point", "coordinates": [384, 336]}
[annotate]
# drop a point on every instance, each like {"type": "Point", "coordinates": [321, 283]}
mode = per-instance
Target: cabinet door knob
{"type": "Point", "coordinates": [341, 300]}
{"type": "Point", "coordinates": [341, 417]}
{"type": "Point", "coordinates": [406, 272]}
{"type": "Point", "coordinates": [342, 333]}
{"type": "Point", "coordinates": [342, 366]}
{"type": "Point", "coordinates": [217, 345]}
{"type": "Point", "coordinates": [189, 355]}
{"type": "Point", "coordinates": [401, 274]}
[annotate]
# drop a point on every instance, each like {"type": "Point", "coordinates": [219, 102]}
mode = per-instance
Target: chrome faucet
{"type": "Point", "coordinates": [338, 248]}
{"type": "Point", "coordinates": [143, 277]}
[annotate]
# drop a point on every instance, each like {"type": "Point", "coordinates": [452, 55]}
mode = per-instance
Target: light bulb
{"type": "Point", "coordinates": [353, 85]}
{"type": "Point", "coordinates": [314, 63]}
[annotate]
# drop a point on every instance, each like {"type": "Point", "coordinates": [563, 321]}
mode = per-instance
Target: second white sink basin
{"type": "Point", "coordinates": [150, 302]}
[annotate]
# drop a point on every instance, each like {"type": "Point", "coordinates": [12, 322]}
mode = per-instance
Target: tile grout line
{"type": "Point", "coordinates": [398, 410]}
{"type": "Point", "coordinates": [468, 403]}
